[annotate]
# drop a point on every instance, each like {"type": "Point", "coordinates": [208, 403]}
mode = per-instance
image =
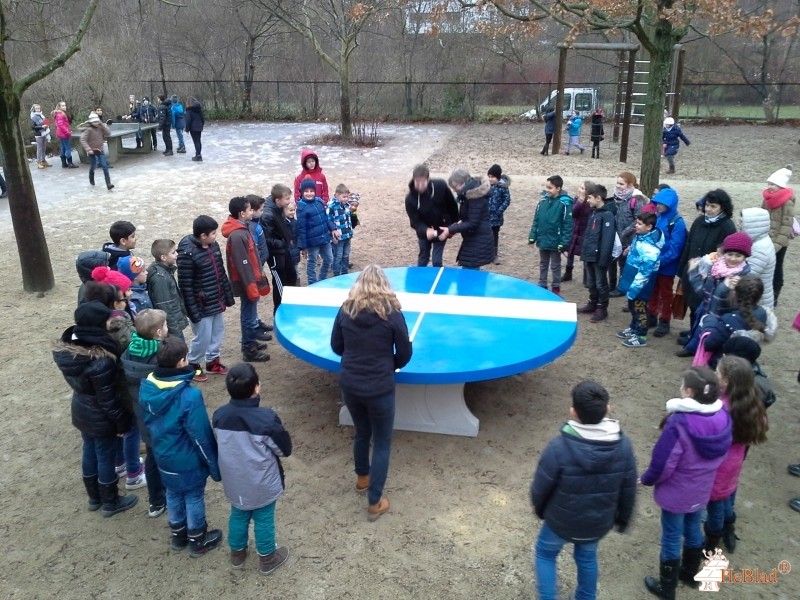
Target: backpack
{"type": "Point", "coordinates": [762, 382]}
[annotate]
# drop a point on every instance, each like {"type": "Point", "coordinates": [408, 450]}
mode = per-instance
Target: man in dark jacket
{"type": "Point", "coordinates": [549, 130]}
{"type": "Point", "coordinates": [147, 114]}
{"type": "Point", "coordinates": [430, 206]}
{"type": "Point", "coordinates": [279, 238]}
{"type": "Point", "coordinates": [585, 484]}
{"type": "Point", "coordinates": [206, 294]}
{"type": "Point", "coordinates": [477, 246]}
{"type": "Point", "coordinates": [165, 123]}
{"type": "Point", "coordinates": [195, 121]}
{"type": "Point", "coordinates": [596, 252]}
{"type": "Point", "coordinates": [86, 355]}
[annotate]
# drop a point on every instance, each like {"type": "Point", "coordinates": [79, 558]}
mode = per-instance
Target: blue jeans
{"type": "Point", "coordinates": [263, 528]}
{"type": "Point", "coordinates": [98, 458]}
{"type": "Point", "coordinates": [179, 132]}
{"type": "Point", "coordinates": [341, 257]}
{"type": "Point", "coordinates": [187, 507]}
{"type": "Point", "coordinates": [430, 251]}
{"type": "Point", "coordinates": [311, 267]}
{"type": "Point", "coordinates": [66, 149]}
{"type": "Point", "coordinates": [720, 511]}
{"type": "Point", "coordinates": [248, 319]}
{"type": "Point", "coordinates": [548, 546]}
{"type": "Point", "coordinates": [98, 160]}
{"type": "Point", "coordinates": [128, 451]}
{"type": "Point", "coordinates": [373, 419]}
{"type": "Point", "coordinates": [675, 526]}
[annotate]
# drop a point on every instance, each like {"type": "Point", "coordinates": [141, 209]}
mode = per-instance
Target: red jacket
{"type": "Point", "coordinates": [244, 270]}
{"type": "Point", "coordinates": [315, 174]}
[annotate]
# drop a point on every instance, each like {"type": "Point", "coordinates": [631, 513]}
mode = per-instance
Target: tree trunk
{"type": "Point", "coordinates": [344, 88]}
{"type": "Point", "coordinates": [768, 104]}
{"type": "Point", "coordinates": [34, 256]}
{"type": "Point", "coordinates": [657, 88]}
{"type": "Point", "coordinates": [249, 75]}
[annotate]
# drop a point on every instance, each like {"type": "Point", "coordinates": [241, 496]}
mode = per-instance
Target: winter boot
{"type": "Point", "coordinates": [711, 542]}
{"type": "Point", "coordinates": [113, 503]}
{"type": "Point", "coordinates": [664, 586]}
{"type": "Point", "coordinates": [587, 309]}
{"type": "Point", "coordinates": [93, 491]}
{"type": "Point", "coordinates": [179, 539]}
{"type": "Point", "coordinates": [601, 314]}
{"type": "Point", "coordinates": [254, 353]}
{"type": "Point", "coordinates": [91, 177]}
{"type": "Point", "coordinates": [197, 158]}
{"type": "Point", "coordinates": [64, 163]}
{"type": "Point", "coordinates": [109, 185]}
{"type": "Point", "coordinates": [729, 535]}
{"type": "Point", "coordinates": [181, 150]}
{"type": "Point", "coordinates": [662, 328]}
{"type": "Point", "coordinates": [671, 171]}
{"type": "Point", "coordinates": [546, 150]}
{"type": "Point", "coordinates": [269, 562]}
{"type": "Point", "coordinates": [41, 164]}
{"type": "Point", "coordinates": [167, 153]}
{"type": "Point", "coordinates": [690, 565]}
{"type": "Point", "coordinates": [203, 540]}
{"type": "Point", "coordinates": [652, 320]}
{"type": "Point", "coordinates": [70, 164]}
{"type": "Point", "coordinates": [567, 275]}
{"type": "Point", "coordinates": [238, 558]}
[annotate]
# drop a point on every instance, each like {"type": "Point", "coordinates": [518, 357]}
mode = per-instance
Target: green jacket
{"type": "Point", "coordinates": [164, 293]}
{"type": "Point", "coordinates": [552, 222]}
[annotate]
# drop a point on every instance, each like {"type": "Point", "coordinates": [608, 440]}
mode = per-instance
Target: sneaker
{"type": "Point", "coordinates": [615, 293]}
{"type": "Point", "coordinates": [362, 484]}
{"type": "Point", "coordinates": [134, 483]}
{"type": "Point", "coordinates": [794, 470]}
{"type": "Point", "coordinates": [156, 510]}
{"type": "Point", "coordinates": [263, 326]}
{"type": "Point", "coordinates": [635, 342]}
{"type": "Point", "coordinates": [254, 353]}
{"type": "Point", "coordinates": [261, 335]}
{"type": "Point", "coordinates": [794, 504]}
{"type": "Point", "coordinates": [601, 314]}
{"type": "Point", "coordinates": [216, 368]}
{"type": "Point", "coordinates": [120, 469]}
{"type": "Point", "coordinates": [626, 334]}
{"type": "Point", "coordinates": [587, 309]}
{"type": "Point", "coordinates": [197, 158]}
{"type": "Point", "coordinates": [199, 375]}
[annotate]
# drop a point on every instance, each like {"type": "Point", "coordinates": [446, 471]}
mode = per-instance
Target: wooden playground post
{"type": "Point", "coordinates": [626, 119]}
{"type": "Point", "coordinates": [557, 120]}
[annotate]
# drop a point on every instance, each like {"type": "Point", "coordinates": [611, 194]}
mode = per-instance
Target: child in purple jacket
{"type": "Point", "coordinates": [695, 439]}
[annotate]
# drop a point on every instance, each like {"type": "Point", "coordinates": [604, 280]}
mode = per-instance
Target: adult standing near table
{"type": "Point", "coordinates": [63, 133]}
{"type": "Point", "coordinates": [165, 122]}
{"type": "Point", "coordinates": [430, 206]}
{"type": "Point", "coordinates": [39, 128]}
{"type": "Point", "coordinates": [477, 245]}
{"type": "Point", "coordinates": [147, 114]}
{"type": "Point", "coordinates": [371, 336]}
{"type": "Point", "coordinates": [195, 121]}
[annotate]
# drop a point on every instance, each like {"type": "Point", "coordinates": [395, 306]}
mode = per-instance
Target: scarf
{"type": "Point", "coordinates": [776, 199]}
{"type": "Point", "coordinates": [625, 195]}
{"type": "Point", "coordinates": [141, 347]}
{"type": "Point", "coordinates": [721, 270]}
{"type": "Point", "coordinates": [94, 336]}
{"type": "Point", "coordinates": [710, 220]}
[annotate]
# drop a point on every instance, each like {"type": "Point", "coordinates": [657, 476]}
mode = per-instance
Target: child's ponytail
{"type": "Point", "coordinates": [703, 382]}
{"type": "Point", "coordinates": [746, 296]}
{"type": "Point", "coordinates": [748, 413]}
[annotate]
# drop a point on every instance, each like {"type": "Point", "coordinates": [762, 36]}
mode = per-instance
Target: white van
{"type": "Point", "coordinates": [581, 99]}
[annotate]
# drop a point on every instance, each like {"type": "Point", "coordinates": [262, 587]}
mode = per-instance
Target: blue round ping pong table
{"type": "Point", "coordinates": [465, 325]}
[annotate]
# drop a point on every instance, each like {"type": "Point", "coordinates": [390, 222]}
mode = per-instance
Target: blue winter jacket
{"type": "Point", "coordinates": [550, 122]}
{"type": "Point", "coordinates": [260, 239]}
{"type": "Point", "coordinates": [178, 116]}
{"type": "Point", "coordinates": [639, 276]}
{"type": "Point", "coordinates": [499, 199]}
{"type": "Point", "coordinates": [176, 418]}
{"type": "Point", "coordinates": [313, 226]}
{"type": "Point", "coordinates": [670, 137]}
{"type": "Point", "coordinates": [574, 125]}
{"type": "Point", "coordinates": [339, 214]}
{"type": "Point", "coordinates": [673, 228]}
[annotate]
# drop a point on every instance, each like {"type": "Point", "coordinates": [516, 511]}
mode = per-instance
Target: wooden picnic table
{"type": "Point", "coordinates": [119, 131]}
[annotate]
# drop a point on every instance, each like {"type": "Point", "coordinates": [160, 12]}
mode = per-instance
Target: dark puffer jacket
{"type": "Point", "coordinates": [435, 207]}
{"type": "Point", "coordinates": [598, 240]}
{"type": "Point", "coordinates": [580, 218]}
{"type": "Point", "coordinates": [92, 372]}
{"type": "Point", "coordinates": [583, 487]}
{"type": "Point", "coordinates": [202, 279]}
{"type": "Point", "coordinates": [313, 227]}
{"type": "Point", "coordinates": [277, 231]}
{"type": "Point", "coordinates": [477, 246]}
{"type": "Point", "coordinates": [703, 239]}
{"type": "Point", "coordinates": [195, 119]}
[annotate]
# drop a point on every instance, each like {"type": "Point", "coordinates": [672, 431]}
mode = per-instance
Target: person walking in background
{"type": "Point", "coordinates": [574, 132]}
{"type": "Point", "coordinates": [178, 122]}
{"type": "Point", "coordinates": [93, 134]}
{"type": "Point", "coordinates": [779, 201]}
{"type": "Point", "coordinates": [63, 133]}
{"type": "Point", "coordinates": [40, 133]}
{"type": "Point", "coordinates": [165, 123]}
{"type": "Point", "coordinates": [371, 336]}
{"type": "Point", "coordinates": [671, 138]}
{"type": "Point", "coordinates": [549, 130]}
{"type": "Point", "coordinates": [195, 122]}
{"type": "Point", "coordinates": [597, 133]}
{"type": "Point", "coordinates": [580, 217]}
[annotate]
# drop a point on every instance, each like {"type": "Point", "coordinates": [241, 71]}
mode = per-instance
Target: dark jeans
{"type": "Point", "coordinates": [99, 160]}
{"type": "Point", "coordinates": [777, 279]}
{"type": "Point", "coordinates": [99, 456]}
{"type": "Point", "coordinates": [496, 237]}
{"type": "Point", "coordinates": [373, 419]}
{"type": "Point", "coordinates": [248, 319]}
{"type": "Point", "coordinates": [165, 135]}
{"type": "Point", "coordinates": [188, 507]}
{"type": "Point", "coordinates": [286, 276]}
{"type": "Point", "coordinates": [155, 138]}
{"type": "Point", "coordinates": [597, 282]}
{"type": "Point", "coordinates": [719, 511]}
{"type": "Point", "coordinates": [155, 489]}
{"type": "Point", "coordinates": [198, 146]}
{"type": "Point", "coordinates": [638, 310]}
{"type": "Point", "coordinates": [430, 251]}
{"type": "Point", "coordinates": [548, 139]}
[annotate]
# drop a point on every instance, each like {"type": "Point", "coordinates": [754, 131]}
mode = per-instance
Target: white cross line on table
{"type": "Point", "coordinates": [413, 333]}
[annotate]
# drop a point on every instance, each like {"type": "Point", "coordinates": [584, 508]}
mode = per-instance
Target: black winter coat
{"type": "Point", "coordinates": [202, 279]}
{"type": "Point", "coordinates": [703, 238]}
{"type": "Point", "coordinates": [477, 247]}
{"type": "Point", "coordinates": [597, 128]}
{"type": "Point", "coordinates": [277, 231]}
{"type": "Point", "coordinates": [165, 115]}
{"type": "Point", "coordinates": [371, 349]}
{"type": "Point", "coordinates": [195, 119]}
{"type": "Point", "coordinates": [598, 239]}
{"type": "Point", "coordinates": [435, 207]}
{"type": "Point", "coordinates": [582, 488]}
{"type": "Point", "coordinates": [93, 374]}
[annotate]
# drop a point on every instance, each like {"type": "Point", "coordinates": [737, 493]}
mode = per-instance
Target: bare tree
{"type": "Point", "coordinates": [37, 271]}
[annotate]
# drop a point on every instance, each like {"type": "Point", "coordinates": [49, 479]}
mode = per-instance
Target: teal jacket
{"type": "Point", "coordinates": [552, 222]}
{"type": "Point", "coordinates": [180, 432]}
{"type": "Point", "coordinates": [639, 276]}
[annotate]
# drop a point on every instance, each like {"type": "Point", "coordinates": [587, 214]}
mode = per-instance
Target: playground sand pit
{"type": "Point", "coordinates": [461, 523]}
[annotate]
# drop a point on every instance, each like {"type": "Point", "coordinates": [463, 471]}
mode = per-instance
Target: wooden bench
{"type": "Point", "coordinates": [119, 131]}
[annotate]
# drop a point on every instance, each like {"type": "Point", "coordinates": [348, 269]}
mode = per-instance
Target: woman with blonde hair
{"type": "Point", "coordinates": [371, 336]}
{"type": "Point", "coordinates": [64, 134]}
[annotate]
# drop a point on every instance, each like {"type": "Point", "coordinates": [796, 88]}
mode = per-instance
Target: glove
{"type": "Point", "coordinates": [531, 241]}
